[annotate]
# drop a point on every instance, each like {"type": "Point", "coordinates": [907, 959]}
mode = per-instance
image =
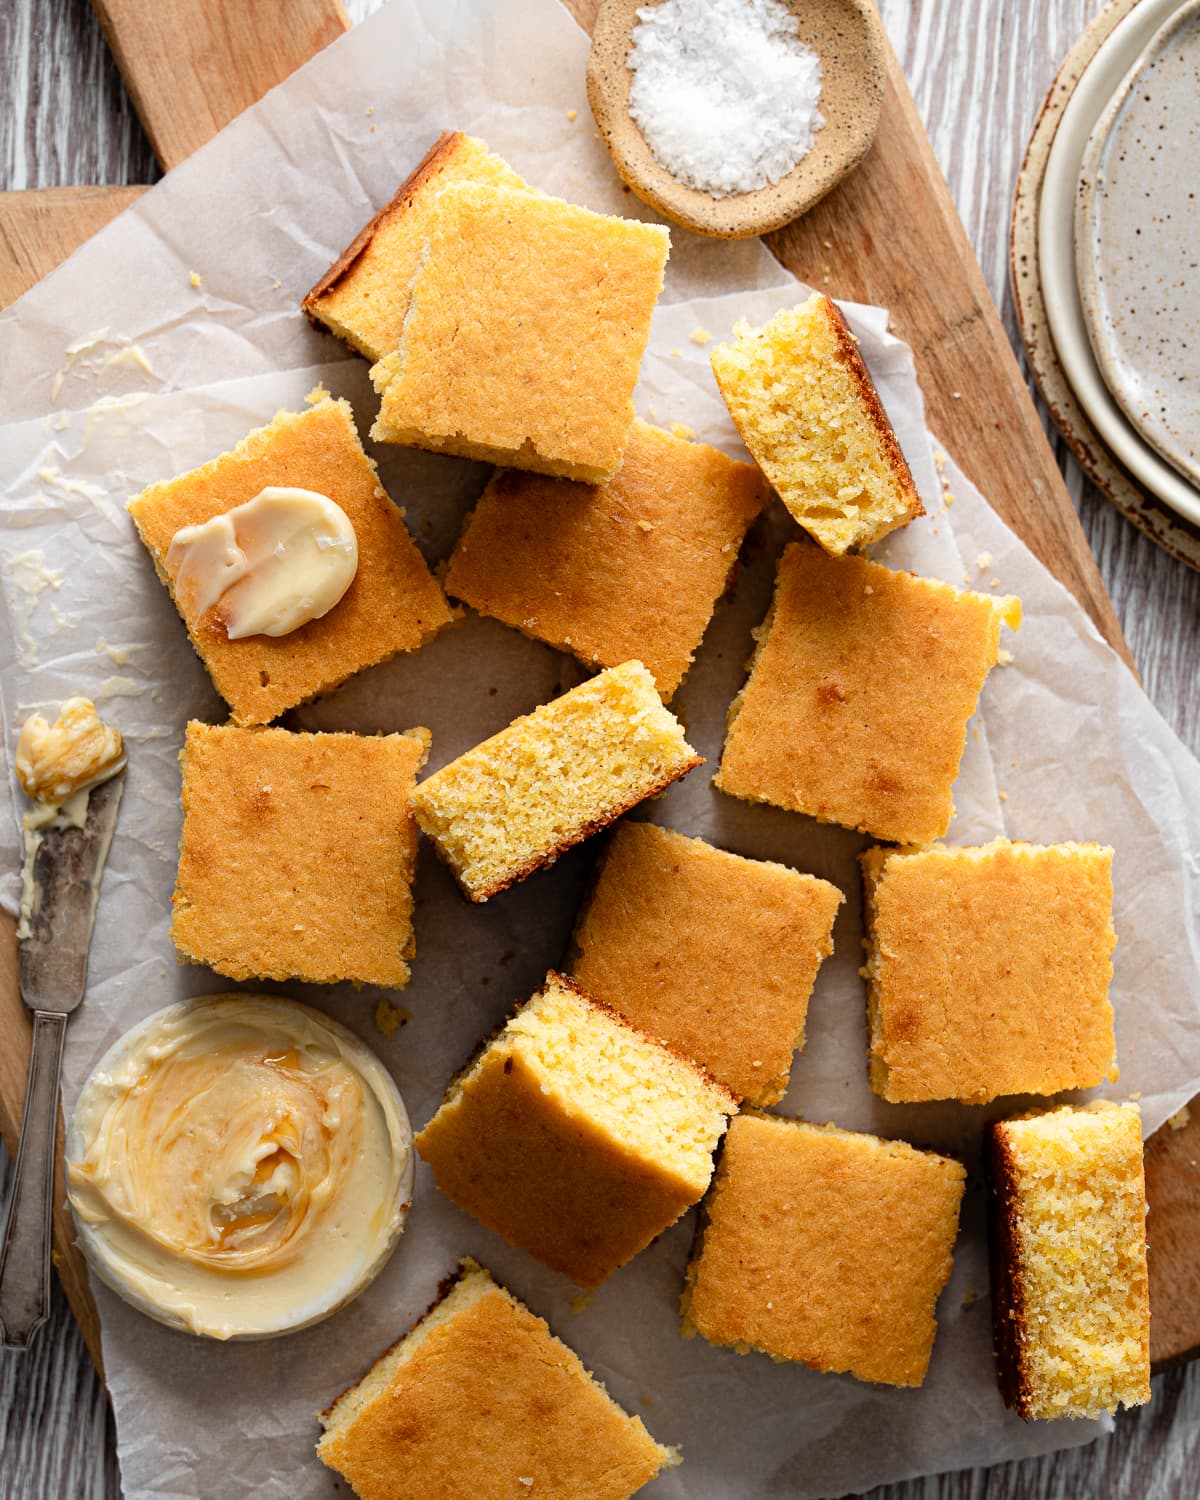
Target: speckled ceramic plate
{"type": "Point", "coordinates": [1137, 242]}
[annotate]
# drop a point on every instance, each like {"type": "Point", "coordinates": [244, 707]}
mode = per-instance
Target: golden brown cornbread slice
{"type": "Point", "coordinates": [363, 297]}
{"type": "Point", "coordinates": [807, 409]}
{"type": "Point", "coordinates": [825, 1247]}
{"type": "Point", "coordinates": [480, 1399]}
{"type": "Point", "coordinates": [988, 970]}
{"type": "Point", "coordinates": [1070, 1295]}
{"type": "Point", "coordinates": [574, 1136]}
{"type": "Point", "coordinates": [633, 568]}
{"type": "Point", "coordinates": [856, 707]}
{"type": "Point", "coordinates": [712, 953]}
{"type": "Point", "coordinates": [297, 854]}
{"type": "Point", "coordinates": [393, 604]}
{"type": "Point", "coordinates": [523, 337]}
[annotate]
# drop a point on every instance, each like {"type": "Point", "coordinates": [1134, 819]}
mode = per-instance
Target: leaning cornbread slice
{"type": "Point", "coordinates": [825, 1247]}
{"type": "Point", "coordinates": [712, 953]}
{"type": "Point", "coordinates": [807, 409]}
{"type": "Point", "coordinates": [633, 568]}
{"type": "Point", "coordinates": [574, 1136]}
{"type": "Point", "coordinates": [856, 707]}
{"type": "Point", "coordinates": [297, 853]}
{"type": "Point", "coordinates": [988, 970]}
{"type": "Point", "coordinates": [1070, 1295]}
{"type": "Point", "coordinates": [480, 1399]}
{"type": "Point", "coordinates": [523, 337]}
{"type": "Point", "coordinates": [392, 605]}
{"type": "Point", "coordinates": [364, 296]}
{"type": "Point", "coordinates": [551, 779]}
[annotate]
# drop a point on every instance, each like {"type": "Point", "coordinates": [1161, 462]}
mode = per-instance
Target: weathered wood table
{"type": "Point", "coordinates": [979, 73]}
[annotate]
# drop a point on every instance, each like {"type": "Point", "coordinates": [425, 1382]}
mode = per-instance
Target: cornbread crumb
{"type": "Point", "coordinates": [572, 115]}
{"type": "Point", "coordinates": [1181, 1119]}
{"type": "Point", "coordinates": [969, 1298]}
{"type": "Point", "coordinates": [389, 1018]}
{"type": "Point", "coordinates": [984, 561]}
{"type": "Point", "coordinates": [194, 278]}
{"type": "Point", "coordinates": [701, 336]}
{"type": "Point", "coordinates": [1004, 658]}
{"type": "Point", "coordinates": [682, 431]}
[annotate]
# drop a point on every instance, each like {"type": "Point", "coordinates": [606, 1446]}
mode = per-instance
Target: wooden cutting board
{"type": "Point", "coordinates": [889, 235]}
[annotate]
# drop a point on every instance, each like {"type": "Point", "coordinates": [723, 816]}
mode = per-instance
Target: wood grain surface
{"type": "Point", "coordinates": [39, 228]}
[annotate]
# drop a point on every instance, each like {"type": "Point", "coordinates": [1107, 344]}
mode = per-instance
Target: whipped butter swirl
{"type": "Point", "coordinates": [239, 1166]}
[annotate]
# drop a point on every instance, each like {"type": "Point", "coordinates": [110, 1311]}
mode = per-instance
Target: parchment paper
{"type": "Point", "coordinates": [1065, 746]}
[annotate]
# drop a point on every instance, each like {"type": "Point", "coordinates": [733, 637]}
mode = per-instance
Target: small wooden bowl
{"type": "Point", "coordinates": [847, 36]}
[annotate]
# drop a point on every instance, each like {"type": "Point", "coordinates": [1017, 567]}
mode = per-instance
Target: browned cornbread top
{"type": "Point", "coordinates": [713, 953]}
{"type": "Point", "coordinates": [633, 568]}
{"type": "Point", "coordinates": [297, 852]}
{"type": "Point", "coordinates": [392, 605]}
{"type": "Point", "coordinates": [989, 970]}
{"type": "Point", "coordinates": [364, 295]}
{"type": "Point", "coordinates": [825, 1247]}
{"type": "Point", "coordinates": [856, 707]}
{"type": "Point", "coordinates": [523, 337]}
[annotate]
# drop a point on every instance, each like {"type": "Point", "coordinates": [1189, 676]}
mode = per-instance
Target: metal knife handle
{"type": "Point", "coordinates": [25, 1252]}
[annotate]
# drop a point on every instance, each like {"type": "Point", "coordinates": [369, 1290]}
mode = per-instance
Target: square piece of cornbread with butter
{"type": "Point", "coordinates": [393, 604]}
{"type": "Point", "coordinates": [856, 708]}
{"type": "Point", "coordinates": [988, 970]}
{"type": "Point", "coordinates": [714, 954]}
{"type": "Point", "coordinates": [480, 1400]}
{"type": "Point", "coordinates": [524, 334]}
{"type": "Point", "coordinates": [632, 568]}
{"type": "Point", "coordinates": [297, 854]}
{"type": "Point", "coordinates": [574, 1136]}
{"type": "Point", "coordinates": [825, 1247]}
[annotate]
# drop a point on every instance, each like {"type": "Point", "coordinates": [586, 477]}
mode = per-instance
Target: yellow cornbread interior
{"type": "Point", "coordinates": [552, 777]}
{"type": "Point", "coordinates": [809, 413]}
{"type": "Point", "coordinates": [1080, 1244]}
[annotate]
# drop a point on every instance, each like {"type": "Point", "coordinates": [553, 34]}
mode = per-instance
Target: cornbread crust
{"type": "Point", "coordinates": [364, 296]}
{"type": "Point", "coordinates": [517, 801]}
{"type": "Point", "coordinates": [988, 970]}
{"type": "Point", "coordinates": [297, 854]}
{"type": "Point", "coordinates": [633, 568]}
{"type": "Point", "coordinates": [393, 605]}
{"type": "Point", "coordinates": [712, 953]}
{"type": "Point", "coordinates": [480, 1399]}
{"type": "Point", "coordinates": [574, 1136]}
{"type": "Point", "coordinates": [524, 334]}
{"type": "Point", "coordinates": [1070, 1180]}
{"type": "Point", "coordinates": [860, 689]}
{"type": "Point", "coordinates": [824, 1247]}
{"type": "Point", "coordinates": [753, 376]}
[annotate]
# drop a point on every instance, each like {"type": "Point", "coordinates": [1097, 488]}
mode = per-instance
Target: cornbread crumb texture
{"type": "Point", "coordinates": [825, 1247]}
{"type": "Point", "coordinates": [297, 854]}
{"type": "Point", "coordinates": [393, 604]}
{"type": "Point", "coordinates": [574, 1136]}
{"type": "Point", "coordinates": [808, 411]}
{"type": "Point", "coordinates": [520, 799]}
{"type": "Point", "coordinates": [712, 953]}
{"type": "Point", "coordinates": [860, 690]}
{"type": "Point", "coordinates": [523, 337]}
{"type": "Point", "coordinates": [364, 295]}
{"type": "Point", "coordinates": [1070, 1291]}
{"type": "Point", "coordinates": [988, 970]}
{"type": "Point", "coordinates": [481, 1399]}
{"type": "Point", "coordinates": [633, 568]}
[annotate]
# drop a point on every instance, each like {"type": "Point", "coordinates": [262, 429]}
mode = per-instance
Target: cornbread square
{"type": "Point", "coordinates": [574, 1136]}
{"type": "Point", "coordinates": [480, 1399]}
{"type": "Point", "coordinates": [712, 953]}
{"type": "Point", "coordinates": [523, 337]}
{"type": "Point", "coordinates": [988, 970]}
{"type": "Point", "coordinates": [633, 568]}
{"type": "Point", "coordinates": [551, 779]}
{"type": "Point", "coordinates": [860, 690]}
{"type": "Point", "coordinates": [364, 296]}
{"type": "Point", "coordinates": [1070, 1295]}
{"type": "Point", "coordinates": [825, 1247]}
{"type": "Point", "coordinates": [393, 605]}
{"type": "Point", "coordinates": [807, 409]}
{"type": "Point", "coordinates": [297, 854]}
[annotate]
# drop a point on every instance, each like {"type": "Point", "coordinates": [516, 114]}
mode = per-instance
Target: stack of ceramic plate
{"type": "Point", "coordinates": [1106, 261]}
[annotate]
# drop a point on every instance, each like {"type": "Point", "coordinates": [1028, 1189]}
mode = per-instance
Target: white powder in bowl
{"type": "Point", "coordinates": [724, 91]}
